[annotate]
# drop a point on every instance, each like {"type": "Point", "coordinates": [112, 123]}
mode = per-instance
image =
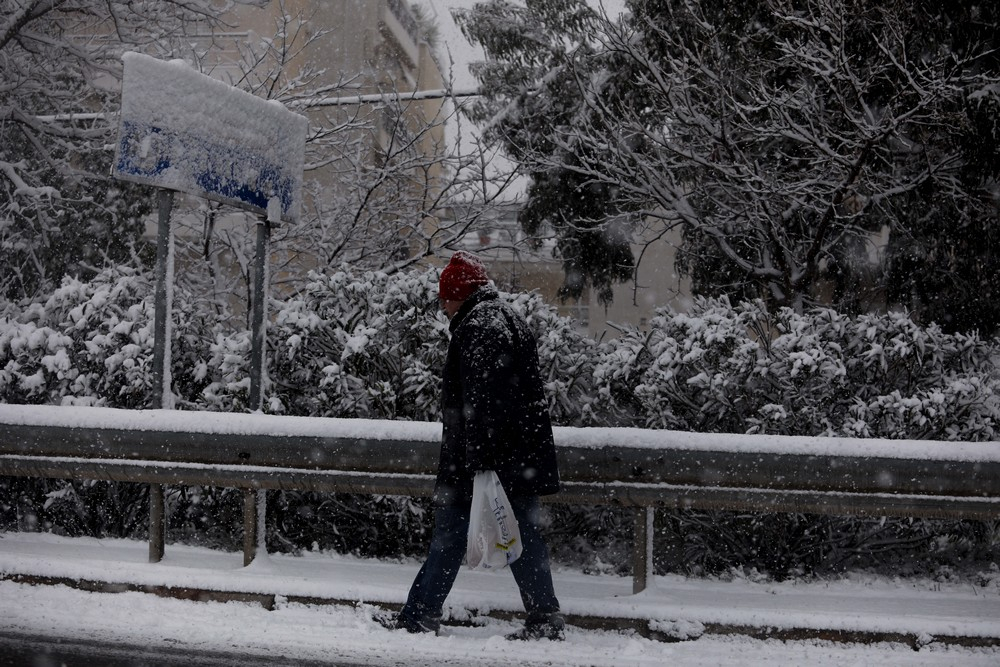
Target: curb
{"type": "Point", "coordinates": [656, 630]}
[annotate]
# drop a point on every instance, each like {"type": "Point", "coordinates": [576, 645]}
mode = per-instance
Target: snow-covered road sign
{"type": "Point", "coordinates": [185, 131]}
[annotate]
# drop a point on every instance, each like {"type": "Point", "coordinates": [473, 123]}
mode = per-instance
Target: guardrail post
{"type": "Point", "coordinates": [249, 526]}
{"type": "Point", "coordinates": [642, 548]}
{"type": "Point", "coordinates": [157, 522]}
{"type": "Point", "coordinates": [253, 524]}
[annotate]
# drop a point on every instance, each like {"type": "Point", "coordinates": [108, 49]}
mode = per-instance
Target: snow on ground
{"type": "Point", "coordinates": [345, 634]}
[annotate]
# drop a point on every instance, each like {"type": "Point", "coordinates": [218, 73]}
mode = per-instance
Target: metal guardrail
{"type": "Point", "coordinates": [644, 470]}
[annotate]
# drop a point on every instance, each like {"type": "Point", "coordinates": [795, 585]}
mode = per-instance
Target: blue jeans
{"type": "Point", "coordinates": [447, 551]}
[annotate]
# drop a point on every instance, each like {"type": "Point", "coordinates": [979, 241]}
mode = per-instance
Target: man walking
{"type": "Point", "coordinates": [495, 417]}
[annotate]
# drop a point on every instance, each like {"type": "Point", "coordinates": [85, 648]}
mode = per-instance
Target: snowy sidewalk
{"type": "Point", "coordinates": [862, 609]}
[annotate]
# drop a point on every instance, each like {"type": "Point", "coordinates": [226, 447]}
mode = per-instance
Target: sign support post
{"type": "Point", "coordinates": [163, 305]}
{"type": "Point", "coordinates": [254, 503]}
{"type": "Point", "coordinates": [161, 359]}
{"type": "Point", "coordinates": [259, 315]}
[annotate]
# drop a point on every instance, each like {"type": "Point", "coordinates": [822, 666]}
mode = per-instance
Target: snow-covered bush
{"type": "Point", "coordinates": [370, 346]}
{"type": "Point", "coordinates": [878, 376]}
{"type": "Point", "coordinates": [228, 367]}
{"type": "Point", "coordinates": [700, 373]}
{"type": "Point", "coordinates": [91, 343]}
{"type": "Point", "coordinates": [87, 343]}
{"type": "Point", "coordinates": [741, 369]}
{"type": "Point", "coordinates": [721, 368]}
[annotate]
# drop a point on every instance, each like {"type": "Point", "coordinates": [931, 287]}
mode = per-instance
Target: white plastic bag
{"type": "Point", "coordinates": [494, 538]}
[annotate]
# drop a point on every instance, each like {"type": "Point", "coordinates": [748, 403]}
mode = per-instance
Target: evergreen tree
{"type": "Point", "coordinates": [60, 211]}
{"type": "Point", "coordinates": [536, 53]}
{"type": "Point", "coordinates": [778, 135]}
{"type": "Point", "coordinates": [944, 257]}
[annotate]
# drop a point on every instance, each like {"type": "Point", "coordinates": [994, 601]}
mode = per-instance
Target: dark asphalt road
{"type": "Point", "coordinates": [22, 651]}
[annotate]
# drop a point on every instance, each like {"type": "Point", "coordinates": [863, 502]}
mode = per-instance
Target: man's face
{"type": "Point", "coordinates": [450, 307]}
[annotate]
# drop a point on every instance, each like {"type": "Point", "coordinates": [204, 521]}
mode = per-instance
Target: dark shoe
{"type": "Point", "coordinates": [398, 622]}
{"type": "Point", "coordinates": [550, 627]}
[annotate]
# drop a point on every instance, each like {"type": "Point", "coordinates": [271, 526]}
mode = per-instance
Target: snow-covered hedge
{"type": "Point", "coordinates": [360, 346]}
{"type": "Point", "coordinates": [741, 369]}
{"type": "Point", "coordinates": [372, 345]}
{"type": "Point", "coordinates": [88, 343]}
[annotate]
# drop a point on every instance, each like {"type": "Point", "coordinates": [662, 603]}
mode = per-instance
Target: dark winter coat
{"type": "Point", "coordinates": [494, 410]}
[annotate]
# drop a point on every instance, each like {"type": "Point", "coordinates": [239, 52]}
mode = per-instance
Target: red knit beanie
{"type": "Point", "coordinates": [463, 275]}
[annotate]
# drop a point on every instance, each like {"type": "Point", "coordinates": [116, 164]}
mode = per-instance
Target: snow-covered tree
{"type": "Point", "coordinates": [530, 97]}
{"type": "Point", "coordinates": [944, 263]}
{"type": "Point", "coordinates": [60, 212]}
{"type": "Point", "coordinates": [777, 135]}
